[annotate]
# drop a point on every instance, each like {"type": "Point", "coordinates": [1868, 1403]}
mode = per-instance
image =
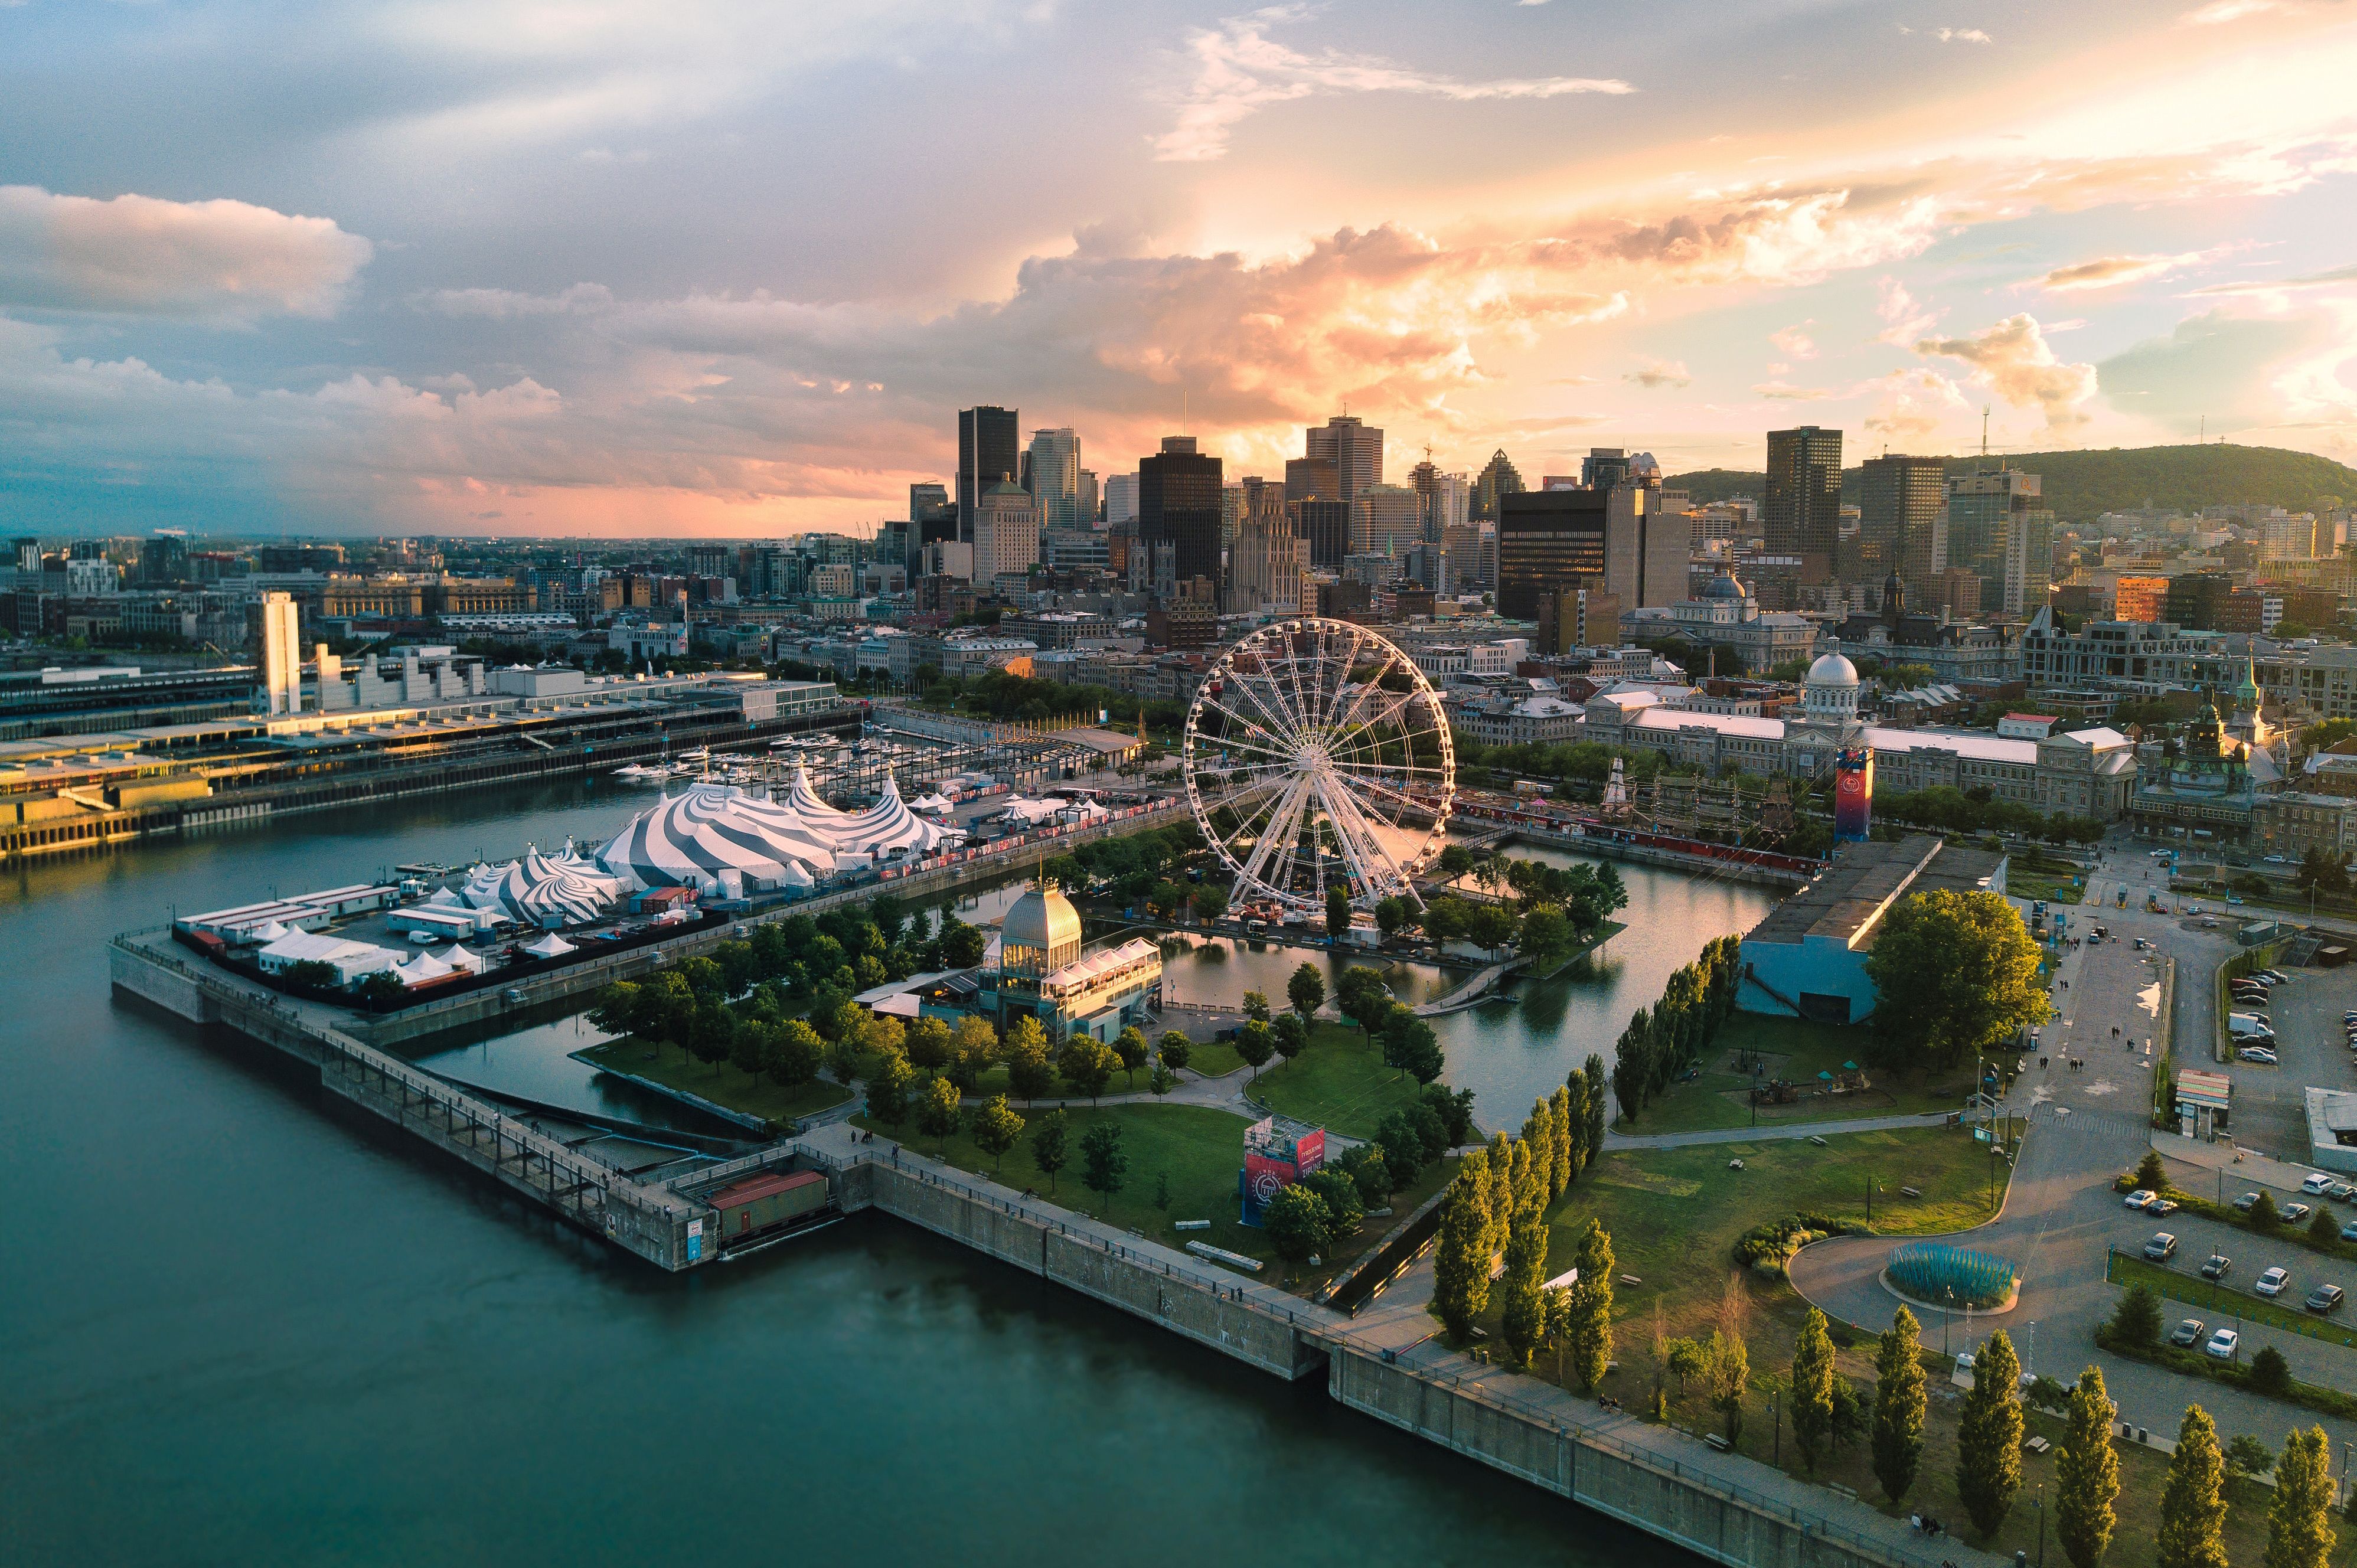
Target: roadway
{"type": "Point", "coordinates": [2062, 1216]}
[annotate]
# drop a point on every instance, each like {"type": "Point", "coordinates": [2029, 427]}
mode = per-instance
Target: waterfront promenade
{"type": "Point", "coordinates": [1387, 1362]}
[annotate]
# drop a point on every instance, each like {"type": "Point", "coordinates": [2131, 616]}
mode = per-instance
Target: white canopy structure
{"type": "Point", "coordinates": [421, 968]}
{"type": "Point", "coordinates": [539, 891]}
{"type": "Point", "coordinates": [932, 803]}
{"type": "Point", "coordinates": [458, 957]}
{"type": "Point", "coordinates": [715, 835]}
{"type": "Point", "coordinates": [888, 825]}
{"type": "Point", "coordinates": [550, 945]}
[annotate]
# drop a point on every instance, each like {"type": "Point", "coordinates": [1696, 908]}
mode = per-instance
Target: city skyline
{"type": "Point", "coordinates": [628, 273]}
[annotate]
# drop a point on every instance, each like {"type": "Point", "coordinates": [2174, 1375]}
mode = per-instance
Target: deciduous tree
{"type": "Point", "coordinates": [1130, 1046]}
{"type": "Point", "coordinates": [1988, 1437]}
{"type": "Point", "coordinates": [996, 1128]}
{"type": "Point", "coordinates": [1591, 1324]}
{"type": "Point", "coordinates": [2087, 1475]}
{"type": "Point", "coordinates": [1460, 1263]}
{"type": "Point", "coordinates": [1103, 1164]}
{"type": "Point", "coordinates": [1956, 973]}
{"type": "Point", "coordinates": [1304, 989]}
{"type": "Point", "coordinates": [1813, 1387]}
{"type": "Point", "coordinates": [1174, 1048]}
{"type": "Point", "coordinates": [1524, 1313]}
{"type": "Point", "coordinates": [1563, 1128]}
{"type": "Point", "coordinates": [1899, 1405]}
{"type": "Point", "coordinates": [2299, 1521]}
{"type": "Point", "coordinates": [937, 1112]}
{"type": "Point", "coordinates": [1051, 1146]}
{"type": "Point", "coordinates": [1087, 1064]}
{"type": "Point", "coordinates": [1298, 1224]}
{"type": "Point", "coordinates": [1255, 1043]}
{"type": "Point", "coordinates": [2193, 1529]}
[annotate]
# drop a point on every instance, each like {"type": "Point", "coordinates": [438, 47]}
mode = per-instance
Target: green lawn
{"type": "Point", "coordinates": [2053, 885]}
{"type": "Point", "coordinates": [1197, 1149]}
{"type": "Point", "coordinates": [1794, 1050]}
{"type": "Point", "coordinates": [724, 1085]}
{"type": "Point", "coordinates": [1340, 1082]}
{"type": "Point", "coordinates": [1213, 1058]}
{"type": "Point", "coordinates": [2221, 1303]}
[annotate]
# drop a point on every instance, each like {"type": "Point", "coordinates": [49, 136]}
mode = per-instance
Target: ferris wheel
{"type": "Point", "coordinates": [1316, 754]}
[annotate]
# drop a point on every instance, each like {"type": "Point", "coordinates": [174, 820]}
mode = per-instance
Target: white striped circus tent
{"type": "Point", "coordinates": [538, 889]}
{"type": "Point", "coordinates": [888, 825]}
{"type": "Point", "coordinates": [690, 839]}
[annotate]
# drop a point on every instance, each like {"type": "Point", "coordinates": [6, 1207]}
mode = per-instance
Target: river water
{"type": "Point", "coordinates": [236, 1329]}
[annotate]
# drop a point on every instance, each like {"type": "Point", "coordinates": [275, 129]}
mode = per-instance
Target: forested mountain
{"type": "Point", "coordinates": [2080, 485]}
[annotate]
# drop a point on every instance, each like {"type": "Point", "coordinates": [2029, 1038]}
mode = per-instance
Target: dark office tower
{"type": "Point", "coordinates": [1549, 541]}
{"type": "Point", "coordinates": [1498, 479]}
{"type": "Point", "coordinates": [1308, 479]}
{"type": "Point", "coordinates": [989, 449]}
{"type": "Point", "coordinates": [925, 498]}
{"type": "Point", "coordinates": [1179, 507]}
{"type": "Point", "coordinates": [1803, 507]}
{"type": "Point", "coordinates": [1354, 448]}
{"type": "Point", "coordinates": [1604, 466]}
{"type": "Point", "coordinates": [1902, 524]}
{"type": "Point", "coordinates": [1326, 525]}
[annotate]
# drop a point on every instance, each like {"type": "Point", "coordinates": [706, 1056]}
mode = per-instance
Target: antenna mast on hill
{"type": "Point", "coordinates": [1985, 414]}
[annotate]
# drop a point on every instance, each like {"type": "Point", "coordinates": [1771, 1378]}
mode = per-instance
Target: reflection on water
{"type": "Point", "coordinates": [1216, 972]}
{"type": "Point", "coordinates": [1511, 1050]}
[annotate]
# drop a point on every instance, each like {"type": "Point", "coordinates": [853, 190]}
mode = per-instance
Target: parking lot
{"type": "Point", "coordinates": [2311, 1047]}
{"type": "Point", "coordinates": [2334, 1361]}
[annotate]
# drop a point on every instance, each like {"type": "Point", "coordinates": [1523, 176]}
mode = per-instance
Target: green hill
{"type": "Point", "coordinates": [2080, 485]}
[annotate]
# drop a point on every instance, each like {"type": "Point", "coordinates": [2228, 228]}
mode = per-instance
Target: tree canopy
{"type": "Point", "coordinates": [1955, 972]}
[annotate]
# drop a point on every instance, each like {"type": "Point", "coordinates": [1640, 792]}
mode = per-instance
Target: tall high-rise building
{"type": "Point", "coordinates": [1902, 520]}
{"type": "Point", "coordinates": [926, 499]}
{"type": "Point", "coordinates": [989, 449]}
{"type": "Point", "coordinates": [1324, 525]}
{"type": "Point", "coordinates": [1266, 558]}
{"type": "Point", "coordinates": [1306, 477]}
{"type": "Point", "coordinates": [281, 654]}
{"type": "Point", "coordinates": [1006, 531]}
{"type": "Point", "coordinates": [1803, 501]}
{"type": "Point", "coordinates": [1120, 498]}
{"type": "Point", "coordinates": [1498, 479]}
{"type": "Point", "coordinates": [1179, 511]}
{"type": "Point", "coordinates": [1997, 532]}
{"type": "Point", "coordinates": [1089, 500]}
{"type": "Point", "coordinates": [1386, 519]}
{"type": "Point", "coordinates": [1053, 463]}
{"type": "Point", "coordinates": [1550, 541]}
{"type": "Point", "coordinates": [1604, 466]}
{"type": "Point", "coordinates": [1353, 446]}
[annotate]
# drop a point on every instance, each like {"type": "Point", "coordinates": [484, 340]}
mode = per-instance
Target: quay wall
{"type": "Point", "coordinates": [1647, 855]}
{"type": "Point", "coordinates": [1648, 1491]}
{"type": "Point", "coordinates": [1136, 1280]}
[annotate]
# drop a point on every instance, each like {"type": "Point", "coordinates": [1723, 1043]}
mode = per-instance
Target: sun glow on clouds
{"type": "Point", "coordinates": [592, 396]}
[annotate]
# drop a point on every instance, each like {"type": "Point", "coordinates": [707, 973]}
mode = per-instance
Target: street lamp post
{"type": "Point", "coordinates": [2041, 1524]}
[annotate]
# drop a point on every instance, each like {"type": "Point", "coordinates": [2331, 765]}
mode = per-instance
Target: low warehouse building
{"type": "Point", "coordinates": [1807, 959]}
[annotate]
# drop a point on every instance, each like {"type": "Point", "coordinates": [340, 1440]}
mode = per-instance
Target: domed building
{"type": "Point", "coordinates": [1725, 615]}
{"type": "Point", "coordinates": [1043, 969]}
{"type": "Point", "coordinates": [1041, 934]}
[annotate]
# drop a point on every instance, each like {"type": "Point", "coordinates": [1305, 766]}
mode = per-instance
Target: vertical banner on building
{"type": "Point", "coordinates": [1853, 794]}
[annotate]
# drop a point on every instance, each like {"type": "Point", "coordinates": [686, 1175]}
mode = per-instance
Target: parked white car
{"type": "Point", "coordinates": [2272, 1282]}
{"type": "Point", "coordinates": [2222, 1343]}
{"type": "Point", "coordinates": [2317, 1182]}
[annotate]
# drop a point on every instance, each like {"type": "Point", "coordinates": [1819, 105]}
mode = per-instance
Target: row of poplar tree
{"type": "Point", "coordinates": [1661, 1043]}
{"type": "Point", "coordinates": [1497, 1204]}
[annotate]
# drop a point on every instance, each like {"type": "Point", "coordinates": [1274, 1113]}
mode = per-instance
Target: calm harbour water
{"type": "Point", "coordinates": [235, 1329]}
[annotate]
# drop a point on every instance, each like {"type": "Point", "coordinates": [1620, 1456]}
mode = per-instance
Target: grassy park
{"type": "Point", "coordinates": [724, 1084]}
{"type": "Point", "coordinates": [1340, 1082]}
{"type": "Point", "coordinates": [1191, 1153]}
{"type": "Point", "coordinates": [1796, 1050]}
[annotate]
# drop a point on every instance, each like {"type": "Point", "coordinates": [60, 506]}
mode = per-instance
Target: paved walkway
{"type": "Point", "coordinates": [1398, 1323]}
{"type": "Point", "coordinates": [1770, 1132]}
